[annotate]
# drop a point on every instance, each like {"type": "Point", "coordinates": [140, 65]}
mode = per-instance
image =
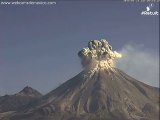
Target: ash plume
{"type": "Point", "coordinates": [98, 54]}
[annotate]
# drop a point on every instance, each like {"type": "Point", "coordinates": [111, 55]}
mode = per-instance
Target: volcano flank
{"type": "Point", "coordinates": [100, 92]}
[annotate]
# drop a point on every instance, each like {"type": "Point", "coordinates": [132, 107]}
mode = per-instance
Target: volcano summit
{"type": "Point", "coordinates": [100, 92]}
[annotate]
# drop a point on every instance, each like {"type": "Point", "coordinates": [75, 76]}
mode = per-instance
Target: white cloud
{"type": "Point", "coordinates": [140, 64]}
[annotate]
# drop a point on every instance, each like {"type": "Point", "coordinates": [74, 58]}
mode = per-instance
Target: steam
{"type": "Point", "coordinates": [140, 63]}
{"type": "Point", "coordinates": [98, 53]}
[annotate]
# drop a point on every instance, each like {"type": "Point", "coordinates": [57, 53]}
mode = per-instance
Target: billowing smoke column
{"type": "Point", "coordinates": [98, 54]}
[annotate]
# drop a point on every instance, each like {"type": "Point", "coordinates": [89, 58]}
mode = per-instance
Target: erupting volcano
{"type": "Point", "coordinates": [100, 92]}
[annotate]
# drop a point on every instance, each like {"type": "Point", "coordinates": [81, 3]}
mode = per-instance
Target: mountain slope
{"type": "Point", "coordinates": [95, 94]}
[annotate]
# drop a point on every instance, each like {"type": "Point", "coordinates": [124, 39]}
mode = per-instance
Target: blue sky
{"type": "Point", "coordinates": [39, 44]}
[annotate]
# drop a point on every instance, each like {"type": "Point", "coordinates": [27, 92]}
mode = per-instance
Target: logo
{"type": "Point", "coordinates": [149, 10]}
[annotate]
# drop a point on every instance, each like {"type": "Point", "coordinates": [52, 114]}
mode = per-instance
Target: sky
{"type": "Point", "coordinates": [39, 43]}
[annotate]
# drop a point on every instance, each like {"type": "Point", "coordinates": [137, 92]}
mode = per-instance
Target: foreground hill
{"type": "Point", "coordinates": [14, 102]}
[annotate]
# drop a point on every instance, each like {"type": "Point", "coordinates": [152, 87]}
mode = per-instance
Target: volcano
{"type": "Point", "coordinates": [100, 92]}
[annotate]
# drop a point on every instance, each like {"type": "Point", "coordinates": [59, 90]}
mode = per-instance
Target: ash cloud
{"type": "Point", "coordinates": [98, 52]}
{"type": "Point", "coordinates": [141, 64]}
